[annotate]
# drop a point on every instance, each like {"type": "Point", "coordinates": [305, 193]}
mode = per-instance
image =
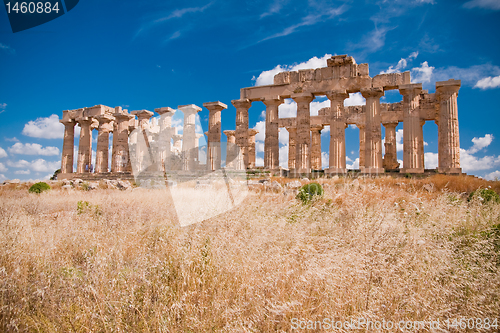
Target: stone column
{"type": "Point", "coordinates": [68, 143]}
{"type": "Point", "coordinates": [120, 155]}
{"type": "Point", "coordinates": [373, 133]}
{"type": "Point", "coordinates": [189, 136]}
{"type": "Point", "coordinates": [102, 151]}
{"type": "Point", "coordinates": [214, 134]}
{"type": "Point", "coordinates": [316, 147]}
{"type": "Point", "coordinates": [411, 128]}
{"type": "Point", "coordinates": [292, 149]}
{"type": "Point", "coordinates": [337, 158]}
{"type": "Point", "coordinates": [421, 144]}
{"type": "Point", "coordinates": [85, 145]}
{"type": "Point", "coordinates": [271, 143]}
{"type": "Point", "coordinates": [251, 147]}
{"type": "Point", "coordinates": [241, 133]}
{"type": "Point", "coordinates": [391, 154]}
{"type": "Point", "coordinates": [448, 137]}
{"type": "Point", "coordinates": [177, 142]}
{"type": "Point", "coordinates": [143, 116]}
{"type": "Point", "coordinates": [165, 135]}
{"type": "Point", "coordinates": [362, 144]}
{"type": "Point", "coordinates": [303, 138]}
{"type": "Point", "coordinates": [231, 140]}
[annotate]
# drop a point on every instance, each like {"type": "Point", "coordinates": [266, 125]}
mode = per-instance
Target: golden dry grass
{"type": "Point", "coordinates": [373, 248]}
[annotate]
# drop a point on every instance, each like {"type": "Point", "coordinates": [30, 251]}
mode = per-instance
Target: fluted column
{"type": "Point", "coordinates": [303, 138]}
{"type": "Point", "coordinates": [316, 147]}
{"type": "Point", "coordinates": [390, 157]}
{"type": "Point", "coordinates": [292, 135]}
{"type": "Point", "coordinates": [411, 128]}
{"type": "Point", "coordinates": [143, 116]}
{"type": "Point", "coordinates": [241, 133]}
{"type": "Point", "coordinates": [421, 143]}
{"type": "Point", "coordinates": [373, 133]}
{"type": "Point", "coordinates": [362, 144]}
{"type": "Point", "coordinates": [165, 135]}
{"type": "Point", "coordinates": [68, 143]}
{"type": "Point", "coordinates": [214, 134]}
{"type": "Point", "coordinates": [102, 151]}
{"type": "Point", "coordinates": [271, 143]}
{"type": "Point", "coordinates": [337, 157]}
{"type": "Point", "coordinates": [251, 147]}
{"type": "Point", "coordinates": [448, 137]}
{"type": "Point", "coordinates": [230, 153]}
{"type": "Point", "coordinates": [189, 136]}
{"type": "Point", "coordinates": [85, 145]}
{"type": "Point", "coordinates": [120, 155]}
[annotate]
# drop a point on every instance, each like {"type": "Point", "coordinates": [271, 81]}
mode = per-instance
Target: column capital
{"type": "Point", "coordinates": [303, 97]}
{"type": "Point", "coordinates": [241, 103]}
{"type": "Point", "coordinates": [123, 116]}
{"type": "Point", "coordinates": [69, 122]}
{"type": "Point", "coordinates": [142, 114]}
{"type": "Point", "coordinates": [215, 106]}
{"type": "Point", "coordinates": [390, 123]}
{"type": "Point", "coordinates": [165, 110]}
{"type": "Point", "coordinates": [229, 133]}
{"type": "Point", "coordinates": [104, 118]}
{"type": "Point", "coordinates": [252, 131]}
{"type": "Point", "coordinates": [291, 129]}
{"type": "Point", "coordinates": [317, 127]}
{"type": "Point", "coordinates": [376, 92]}
{"type": "Point", "coordinates": [84, 120]}
{"type": "Point", "coordinates": [335, 95]}
{"type": "Point", "coordinates": [412, 88]}
{"type": "Point", "coordinates": [360, 126]}
{"type": "Point", "coordinates": [451, 86]}
{"type": "Point", "coordinates": [273, 100]}
{"type": "Point", "coordinates": [190, 108]}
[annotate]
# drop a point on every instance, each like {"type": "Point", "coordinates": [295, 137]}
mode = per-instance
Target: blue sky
{"type": "Point", "coordinates": [150, 54]}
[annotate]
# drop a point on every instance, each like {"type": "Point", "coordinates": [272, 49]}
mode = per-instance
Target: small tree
{"type": "Point", "coordinates": [309, 191]}
{"type": "Point", "coordinates": [485, 195]}
{"type": "Point", "coordinates": [39, 187]}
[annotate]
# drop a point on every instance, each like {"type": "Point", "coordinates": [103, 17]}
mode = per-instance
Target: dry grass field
{"type": "Point", "coordinates": [380, 249]}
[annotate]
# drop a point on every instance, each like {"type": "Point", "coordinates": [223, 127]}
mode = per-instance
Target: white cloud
{"type": "Point", "coordinates": [32, 149]}
{"type": "Point", "coordinates": [261, 127]}
{"type": "Point", "coordinates": [355, 99]}
{"type": "Point", "coordinates": [3, 106]}
{"type": "Point", "coordinates": [422, 74]}
{"type": "Point", "coordinates": [325, 160]}
{"type": "Point", "coordinates": [14, 139]}
{"type": "Point", "coordinates": [284, 156]}
{"type": "Point", "coordinates": [7, 48]}
{"type": "Point", "coordinates": [488, 82]}
{"type": "Point", "coordinates": [3, 168]}
{"type": "Point", "coordinates": [495, 175]}
{"type": "Point", "coordinates": [283, 136]}
{"type": "Point", "coordinates": [2, 153]}
{"type": "Point", "coordinates": [288, 109]}
{"type": "Point", "coordinates": [315, 106]}
{"type": "Point", "coordinates": [39, 165]}
{"type": "Point", "coordinates": [22, 172]}
{"type": "Point", "coordinates": [259, 161]}
{"type": "Point", "coordinates": [485, 4]}
{"type": "Point", "coordinates": [46, 128]}
{"type": "Point", "coordinates": [267, 77]}
{"type": "Point", "coordinates": [2, 177]}
{"type": "Point", "coordinates": [401, 64]}
{"type": "Point", "coordinates": [399, 140]}
{"type": "Point", "coordinates": [354, 164]}
{"type": "Point", "coordinates": [18, 164]}
{"type": "Point", "coordinates": [480, 143]}
{"type": "Point", "coordinates": [431, 160]}
{"type": "Point", "coordinates": [274, 8]}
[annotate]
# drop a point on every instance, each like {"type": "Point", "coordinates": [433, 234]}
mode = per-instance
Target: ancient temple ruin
{"type": "Point", "coordinates": [341, 77]}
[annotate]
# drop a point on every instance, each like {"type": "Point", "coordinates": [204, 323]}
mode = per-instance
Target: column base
{"type": "Point", "coordinates": [372, 170]}
{"type": "Point", "coordinates": [335, 171]}
{"type": "Point", "coordinates": [450, 170]}
{"type": "Point", "coordinates": [412, 170]}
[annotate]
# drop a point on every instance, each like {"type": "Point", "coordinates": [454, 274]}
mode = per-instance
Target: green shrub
{"type": "Point", "coordinates": [83, 207]}
{"type": "Point", "coordinates": [39, 187]}
{"type": "Point", "coordinates": [309, 191]}
{"type": "Point", "coordinates": [485, 195]}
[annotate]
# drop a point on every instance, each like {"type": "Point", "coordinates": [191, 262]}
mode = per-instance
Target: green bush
{"type": "Point", "coordinates": [309, 191]}
{"type": "Point", "coordinates": [485, 195]}
{"type": "Point", "coordinates": [39, 187]}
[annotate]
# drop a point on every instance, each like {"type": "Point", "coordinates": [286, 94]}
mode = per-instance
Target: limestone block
{"type": "Point", "coordinates": [363, 70]}
{"type": "Point", "coordinates": [294, 77]}
{"type": "Point", "coordinates": [326, 73]}
{"type": "Point", "coordinates": [282, 78]}
{"type": "Point", "coordinates": [306, 75]}
{"type": "Point", "coordinates": [388, 81]}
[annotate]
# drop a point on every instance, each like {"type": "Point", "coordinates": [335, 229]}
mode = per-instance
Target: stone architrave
{"type": "Point", "coordinates": [231, 140]}
{"type": "Point", "coordinates": [316, 147]}
{"type": "Point", "coordinates": [190, 161]}
{"type": "Point", "coordinates": [292, 149]}
{"type": "Point", "coordinates": [390, 158]}
{"type": "Point", "coordinates": [85, 145]}
{"type": "Point", "coordinates": [337, 132]}
{"type": "Point", "coordinates": [68, 144]}
{"type": "Point", "coordinates": [241, 133]}
{"type": "Point", "coordinates": [251, 147]}
{"type": "Point", "coordinates": [362, 144]}
{"type": "Point", "coordinates": [271, 143]}
{"type": "Point", "coordinates": [411, 128]}
{"type": "Point", "coordinates": [448, 136]}
{"type": "Point", "coordinates": [120, 155]}
{"type": "Point", "coordinates": [303, 138]}
{"type": "Point", "coordinates": [102, 151]}
{"type": "Point", "coordinates": [165, 136]}
{"type": "Point", "coordinates": [373, 133]}
{"type": "Point", "coordinates": [214, 134]}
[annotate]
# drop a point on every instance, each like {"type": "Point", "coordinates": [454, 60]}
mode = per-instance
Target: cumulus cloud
{"type": "Point", "coordinates": [480, 143]}
{"type": "Point", "coordinates": [267, 77]}
{"type": "Point", "coordinates": [488, 82]}
{"type": "Point", "coordinates": [3, 106]}
{"type": "Point", "coordinates": [354, 164]}
{"type": "Point", "coordinates": [355, 99]}
{"type": "Point", "coordinates": [495, 175]}
{"type": "Point", "coordinates": [402, 64]}
{"type": "Point", "coordinates": [288, 109]}
{"type": "Point", "coordinates": [39, 165]}
{"type": "Point", "coordinates": [422, 74]}
{"type": "Point", "coordinates": [2, 153]}
{"type": "Point", "coordinates": [325, 160]}
{"type": "Point", "coordinates": [3, 168]}
{"type": "Point", "coordinates": [45, 128]}
{"type": "Point", "coordinates": [22, 172]}
{"type": "Point", "coordinates": [484, 4]}
{"type": "Point", "coordinates": [32, 149]}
